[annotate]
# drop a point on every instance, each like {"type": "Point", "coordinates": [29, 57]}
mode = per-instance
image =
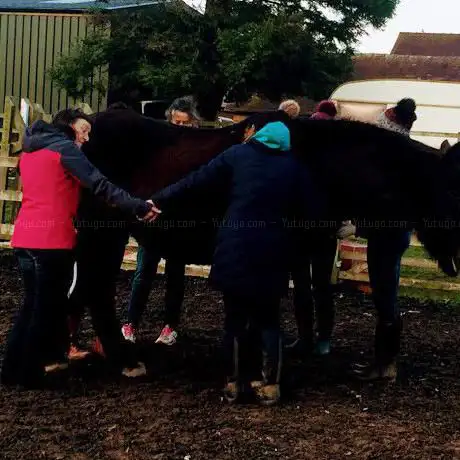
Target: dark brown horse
{"type": "Point", "coordinates": [364, 172]}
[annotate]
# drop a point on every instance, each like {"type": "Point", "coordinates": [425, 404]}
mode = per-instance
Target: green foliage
{"type": "Point", "coordinates": [271, 47]}
{"type": "Point", "coordinates": [279, 56]}
{"type": "Point", "coordinates": [75, 72]}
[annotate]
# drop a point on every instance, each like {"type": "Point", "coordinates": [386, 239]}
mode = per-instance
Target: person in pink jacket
{"type": "Point", "coordinates": [53, 170]}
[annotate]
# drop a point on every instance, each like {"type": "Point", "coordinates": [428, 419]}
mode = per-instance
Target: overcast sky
{"type": "Point", "coordinates": [414, 16]}
{"type": "Point", "coordinates": [410, 16]}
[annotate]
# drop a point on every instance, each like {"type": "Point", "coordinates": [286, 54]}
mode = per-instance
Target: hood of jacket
{"type": "Point", "coordinates": [41, 135]}
{"type": "Point", "coordinates": [275, 136]}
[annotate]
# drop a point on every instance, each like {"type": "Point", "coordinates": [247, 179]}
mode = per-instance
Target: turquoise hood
{"type": "Point", "coordinates": [275, 136]}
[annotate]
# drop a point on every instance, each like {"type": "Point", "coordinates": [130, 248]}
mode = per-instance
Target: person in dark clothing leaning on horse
{"type": "Point", "coordinates": [182, 112]}
{"type": "Point", "coordinates": [385, 248]}
{"type": "Point", "coordinates": [252, 255]}
{"type": "Point", "coordinates": [311, 274]}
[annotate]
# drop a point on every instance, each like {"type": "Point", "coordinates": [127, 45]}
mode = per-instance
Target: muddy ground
{"type": "Point", "coordinates": [177, 412]}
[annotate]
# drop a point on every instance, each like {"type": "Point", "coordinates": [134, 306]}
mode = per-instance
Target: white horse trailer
{"type": "Point", "coordinates": [438, 105]}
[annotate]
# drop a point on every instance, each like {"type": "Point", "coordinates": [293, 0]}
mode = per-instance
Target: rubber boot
{"type": "Point", "coordinates": [267, 391]}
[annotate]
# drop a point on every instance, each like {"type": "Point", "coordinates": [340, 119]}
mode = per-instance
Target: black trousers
{"type": "Point", "coordinates": [252, 339]}
{"type": "Point", "coordinates": [39, 335]}
{"type": "Point", "coordinates": [384, 252]}
{"type": "Point", "coordinates": [311, 276]}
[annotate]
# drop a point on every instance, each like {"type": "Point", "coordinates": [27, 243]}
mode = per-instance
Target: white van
{"type": "Point", "coordinates": [438, 105]}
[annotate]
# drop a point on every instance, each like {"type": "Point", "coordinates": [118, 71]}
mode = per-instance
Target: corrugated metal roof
{"type": "Point", "coordinates": [70, 5]}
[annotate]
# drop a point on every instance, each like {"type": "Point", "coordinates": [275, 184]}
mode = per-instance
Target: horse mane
{"type": "Point", "coordinates": [347, 130]}
{"type": "Point", "coordinates": [318, 135]}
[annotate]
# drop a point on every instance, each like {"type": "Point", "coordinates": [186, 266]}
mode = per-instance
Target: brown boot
{"type": "Point", "coordinates": [267, 391]}
{"type": "Point", "coordinates": [235, 351]}
{"type": "Point", "coordinates": [267, 395]}
{"type": "Point", "coordinates": [388, 372]}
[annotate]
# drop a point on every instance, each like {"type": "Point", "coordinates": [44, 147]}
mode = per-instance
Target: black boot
{"type": "Point", "coordinates": [267, 390]}
{"type": "Point", "coordinates": [387, 348]}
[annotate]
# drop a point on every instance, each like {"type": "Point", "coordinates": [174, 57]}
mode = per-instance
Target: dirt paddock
{"type": "Point", "coordinates": [177, 413]}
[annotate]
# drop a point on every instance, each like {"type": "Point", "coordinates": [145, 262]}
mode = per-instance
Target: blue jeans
{"type": "Point", "coordinates": [39, 335]}
{"type": "Point", "coordinates": [147, 265]}
{"type": "Point", "coordinates": [384, 252]}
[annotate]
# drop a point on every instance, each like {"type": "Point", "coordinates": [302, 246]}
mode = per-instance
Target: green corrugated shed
{"type": "Point", "coordinates": [33, 35]}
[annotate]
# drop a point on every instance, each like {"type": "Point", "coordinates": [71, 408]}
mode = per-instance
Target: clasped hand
{"type": "Point", "coordinates": [152, 214]}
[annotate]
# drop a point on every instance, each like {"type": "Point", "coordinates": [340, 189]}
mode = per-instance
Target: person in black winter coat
{"type": "Point", "coordinates": [251, 260]}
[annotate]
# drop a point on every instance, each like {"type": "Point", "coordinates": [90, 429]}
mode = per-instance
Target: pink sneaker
{"type": "Point", "coordinates": [76, 353]}
{"type": "Point", "coordinates": [129, 332]}
{"type": "Point", "coordinates": [168, 336]}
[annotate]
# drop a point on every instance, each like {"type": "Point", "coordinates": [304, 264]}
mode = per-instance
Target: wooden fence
{"type": "Point", "coordinates": [352, 259]}
{"type": "Point", "coordinates": [350, 263]}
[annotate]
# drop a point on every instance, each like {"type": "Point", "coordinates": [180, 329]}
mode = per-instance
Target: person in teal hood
{"type": "Point", "coordinates": [266, 186]}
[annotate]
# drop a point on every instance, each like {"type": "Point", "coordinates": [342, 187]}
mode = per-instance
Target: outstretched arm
{"type": "Point", "coordinates": [76, 163]}
{"type": "Point", "coordinates": [209, 175]}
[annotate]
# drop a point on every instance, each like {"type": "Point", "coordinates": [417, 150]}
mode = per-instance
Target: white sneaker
{"type": "Point", "coordinates": [168, 336]}
{"type": "Point", "coordinates": [56, 367]}
{"type": "Point", "coordinates": [134, 372]}
{"type": "Point", "coordinates": [129, 333]}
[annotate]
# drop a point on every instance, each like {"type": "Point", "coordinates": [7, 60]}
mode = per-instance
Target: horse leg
{"type": "Point", "coordinates": [99, 260]}
{"type": "Point", "coordinates": [322, 266]}
{"type": "Point", "coordinates": [384, 253]}
{"type": "Point", "coordinates": [303, 306]}
{"type": "Point", "coordinates": [175, 291]}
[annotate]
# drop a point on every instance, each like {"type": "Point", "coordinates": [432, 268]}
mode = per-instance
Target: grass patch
{"type": "Point", "coordinates": [417, 252]}
{"type": "Point", "coordinates": [426, 274]}
{"type": "Point", "coordinates": [433, 295]}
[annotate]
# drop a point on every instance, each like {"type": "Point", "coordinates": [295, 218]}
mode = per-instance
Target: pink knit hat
{"type": "Point", "coordinates": [328, 107]}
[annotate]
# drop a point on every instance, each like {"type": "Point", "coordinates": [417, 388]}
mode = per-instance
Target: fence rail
{"type": "Point", "coordinates": [351, 258]}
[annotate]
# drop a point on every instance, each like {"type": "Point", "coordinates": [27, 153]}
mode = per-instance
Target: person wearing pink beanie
{"type": "Point", "coordinates": [325, 110]}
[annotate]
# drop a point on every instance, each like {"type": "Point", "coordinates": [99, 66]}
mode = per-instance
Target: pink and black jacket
{"type": "Point", "coordinates": [52, 170]}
